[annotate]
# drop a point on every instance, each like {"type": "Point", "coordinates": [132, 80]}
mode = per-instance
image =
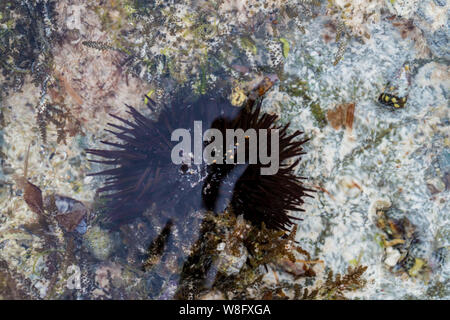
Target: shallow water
{"type": "Point", "coordinates": [379, 168]}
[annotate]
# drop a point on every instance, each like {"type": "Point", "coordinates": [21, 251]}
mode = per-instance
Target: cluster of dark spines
{"type": "Point", "coordinates": [260, 198]}
{"type": "Point", "coordinates": [144, 174]}
{"type": "Point", "coordinates": [143, 171]}
{"type": "Point", "coordinates": [268, 198]}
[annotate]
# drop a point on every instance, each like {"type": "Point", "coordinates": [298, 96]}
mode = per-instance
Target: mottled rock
{"type": "Point", "coordinates": [99, 242]}
{"type": "Point", "coordinates": [441, 3]}
{"type": "Point", "coordinates": [439, 258]}
{"type": "Point", "coordinates": [379, 204]}
{"type": "Point", "coordinates": [231, 264]}
{"type": "Point", "coordinates": [434, 24]}
{"type": "Point", "coordinates": [444, 160]}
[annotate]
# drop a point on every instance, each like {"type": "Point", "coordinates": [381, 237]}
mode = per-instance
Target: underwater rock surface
{"type": "Point", "coordinates": [367, 81]}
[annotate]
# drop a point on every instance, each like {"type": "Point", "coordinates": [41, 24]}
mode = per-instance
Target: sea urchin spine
{"type": "Point", "coordinates": [144, 175]}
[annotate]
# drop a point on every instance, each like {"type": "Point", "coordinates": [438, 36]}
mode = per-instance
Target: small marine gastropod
{"type": "Point", "coordinates": [396, 92]}
{"type": "Point", "coordinates": [392, 100]}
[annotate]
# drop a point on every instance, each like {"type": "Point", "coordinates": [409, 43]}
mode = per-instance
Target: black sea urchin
{"type": "Point", "coordinates": [144, 174]}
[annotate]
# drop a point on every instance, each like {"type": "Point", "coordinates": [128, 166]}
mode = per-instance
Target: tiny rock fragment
{"type": "Point", "coordinates": [392, 257]}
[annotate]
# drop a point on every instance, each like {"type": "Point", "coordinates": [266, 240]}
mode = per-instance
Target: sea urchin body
{"type": "Point", "coordinates": [144, 173]}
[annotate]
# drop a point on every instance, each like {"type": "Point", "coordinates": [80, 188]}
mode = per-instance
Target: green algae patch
{"type": "Point", "coordinates": [286, 47]}
{"type": "Point", "coordinates": [296, 88]}
{"type": "Point", "coordinates": [318, 114]}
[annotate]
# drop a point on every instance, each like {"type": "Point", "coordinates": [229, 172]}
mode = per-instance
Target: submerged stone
{"type": "Point", "coordinates": [99, 242]}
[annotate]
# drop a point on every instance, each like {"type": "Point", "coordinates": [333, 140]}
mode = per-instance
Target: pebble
{"type": "Point", "coordinates": [99, 242]}
{"type": "Point", "coordinates": [392, 257]}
